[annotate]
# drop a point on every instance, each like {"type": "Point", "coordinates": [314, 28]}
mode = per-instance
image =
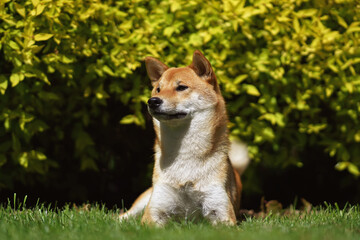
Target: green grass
{"type": "Point", "coordinates": [96, 222]}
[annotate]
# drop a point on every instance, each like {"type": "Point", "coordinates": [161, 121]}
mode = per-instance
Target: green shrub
{"type": "Point", "coordinates": [288, 69]}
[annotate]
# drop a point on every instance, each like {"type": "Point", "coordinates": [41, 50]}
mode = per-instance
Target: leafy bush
{"type": "Point", "coordinates": [288, 69]}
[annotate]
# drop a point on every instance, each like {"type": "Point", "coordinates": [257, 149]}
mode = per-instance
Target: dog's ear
{"type": "Point", "coordinates": [154, 69]}
{"type": "Point", "coordinates": [203, 69]}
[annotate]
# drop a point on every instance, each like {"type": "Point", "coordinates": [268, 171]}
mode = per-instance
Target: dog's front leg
{"type": "Point", "coordinates": [161, 206]}
{"type": "Point", "coordinates": [217, 206]}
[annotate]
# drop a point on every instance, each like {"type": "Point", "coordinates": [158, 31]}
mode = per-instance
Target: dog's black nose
{"type": "Point", "coordinates": [154, 102]}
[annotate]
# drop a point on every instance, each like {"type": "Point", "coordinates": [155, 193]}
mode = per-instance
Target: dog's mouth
{"type": "Point", "coordinates": [168, 116]}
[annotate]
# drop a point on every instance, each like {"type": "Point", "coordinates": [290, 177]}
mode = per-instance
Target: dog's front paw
{"type": "Point", "coordinates": [216, 217]}
{"type": "Point", "coordinates": [123, 216]}
{"type": "Point", "coordinates": [155, 218]}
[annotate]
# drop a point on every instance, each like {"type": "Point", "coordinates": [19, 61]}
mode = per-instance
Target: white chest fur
{"type": "Point", "coordinates": [185, 151]}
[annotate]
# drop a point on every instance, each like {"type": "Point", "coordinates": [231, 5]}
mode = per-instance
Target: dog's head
{"type": "Point", "coordinates": [180, 93]}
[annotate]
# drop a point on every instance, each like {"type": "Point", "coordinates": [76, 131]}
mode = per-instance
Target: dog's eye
{"type": "Point", "coordinates": [181, 88]}
{"type": "Point", "coordinates": [158, 89]}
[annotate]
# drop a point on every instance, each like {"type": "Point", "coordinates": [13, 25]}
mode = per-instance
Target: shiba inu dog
{"type": "Point", "coordinates": [193, 176]}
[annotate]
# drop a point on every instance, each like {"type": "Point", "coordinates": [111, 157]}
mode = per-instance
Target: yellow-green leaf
{"type": "Point", "coordinates": [349, 86]}
{"type": "Point", "coordinates": [35, 48]}
{"type": "Point", "coordinates": [175, 5]}
{"type": "Point", "coordinates": [35, 2]}
{"type": "Point", "coordinates": [15, 78]}
{"type": "Point", "coordinates": [307, 13]}
{"type": "Point", "coordinates": [354, 27]}
{"type": "Point", "coordinates": [276, 118]}
{"type": "Point", "coordinates": [252, 90]}
{"type": "Point", "coordinates": [3, 84]}
{"type": "Point", "coordinates": [24, 160]}
{"type": "Point", "coordinates": [108, 70]}
{"type": "Point", "coordinates": [43, 36]}
{"type": "Point", "coordinates": [240, 78]}
{"type": "Point", "coordinates": [20, 9]}
{"type": "Point", "coordinates": [357, 136]}
{"type": "Point", "coordinates": [168, 31]}
{"type": "Point", "coordinates": [340, 166]}
{"type": "Point", "coordinates": [38, 155]}
{"type": "Point", "coordinates": [353, 169]}
{"type": "Point", "coordinates": [341, 21]}
{"type": "Point", "coordinates": [39, 9]}
{"type": "Point", "coordinates": [296, 24]}
{"type": "Point", "coordinates": [128, 119]}
{"type": "Point", "coordinates": [14, 45]}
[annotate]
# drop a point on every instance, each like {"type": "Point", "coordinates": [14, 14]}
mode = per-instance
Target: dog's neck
{"type": "Point", "coordinates": [191, 140]}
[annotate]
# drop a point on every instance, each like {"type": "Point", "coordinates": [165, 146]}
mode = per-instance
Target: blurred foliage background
{"type": "Point", "coordinates": [73, 88]}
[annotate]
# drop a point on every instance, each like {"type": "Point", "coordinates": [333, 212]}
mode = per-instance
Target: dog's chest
{"type": "Point", "coordinates": [186, 168]}
{"type": "Point", "coordinates": [184, 202]}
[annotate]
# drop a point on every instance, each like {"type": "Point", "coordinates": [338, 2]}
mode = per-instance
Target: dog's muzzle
{"type": "Point", "coordinates": [155, 110]}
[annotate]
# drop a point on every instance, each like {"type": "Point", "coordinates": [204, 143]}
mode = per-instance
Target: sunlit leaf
{"type": "Point", "coordinates": [39, 9]}
{"type": "Point", "coordinates": [15, 78]}
{"type": "Point", "coordinates": [43, 36]}
{"type": "Point", "coordinates": [3, 84]}
{"type": "Point", "coordinates": [353, 169]}
{"type": "Point", "coordinates": [35, 2]}
{"type": "Point", "coordinates": [24, 160]}
{"type": "Point", "coordinates": [20, 9]}
{"type": "Point", "coordinates": [252, 90]}
{"type": "Point", "coordinates": [341, 166]}
{"type": "Point", "coordinates": [306, 13]}
{"type": "Point", "coordinates": [129, 119]}
{"type": "Point", "coordinates": [14, 45]}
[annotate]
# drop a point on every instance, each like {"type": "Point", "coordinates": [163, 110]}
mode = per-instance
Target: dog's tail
{"type": "Point", "coordinates": [239, 156]}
